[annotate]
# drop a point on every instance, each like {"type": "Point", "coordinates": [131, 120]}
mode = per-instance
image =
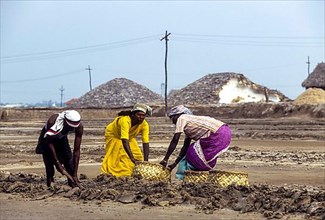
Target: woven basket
{"type": "Point", "coordinates": [151, 171]}
{"type": "Point", "coordinates": [226, 178]}
{"type": "Point", "coordinates": [192, 176]}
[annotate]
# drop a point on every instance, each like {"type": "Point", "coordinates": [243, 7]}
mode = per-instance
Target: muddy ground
{"type": "Point", "coordinates": [284, 158]}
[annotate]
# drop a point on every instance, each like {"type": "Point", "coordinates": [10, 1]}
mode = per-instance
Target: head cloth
{"type": "Point", "coordinates": [72, 118]}
{"type": "Point", "coordinates": [180, 109]}
{"type": "Point", "coordinates": [143, 108]}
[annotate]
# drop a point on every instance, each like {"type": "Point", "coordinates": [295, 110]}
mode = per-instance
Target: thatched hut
{"type": "Point", "coordinates": [316, 79]}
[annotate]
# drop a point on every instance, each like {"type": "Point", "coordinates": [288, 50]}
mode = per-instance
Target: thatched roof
{"type": "Point", "coordinates": [119, 92]}
{"type": "Point", "coordinates": [317, 78]}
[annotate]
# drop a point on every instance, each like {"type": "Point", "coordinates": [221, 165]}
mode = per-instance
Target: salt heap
{"type": "Point", "coordinates": [119, 92]}
{"type": "Point", "coordinates": [224, 88]}
{"type": "Point", "coordinates": [312, 96]}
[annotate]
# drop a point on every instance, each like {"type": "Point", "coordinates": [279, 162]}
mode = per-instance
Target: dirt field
{"type": "Point", "coordinates": [284, 159]}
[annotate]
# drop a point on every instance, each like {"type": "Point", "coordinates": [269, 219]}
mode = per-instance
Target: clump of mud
{"type": "Point", "coordinates": [271, 201]}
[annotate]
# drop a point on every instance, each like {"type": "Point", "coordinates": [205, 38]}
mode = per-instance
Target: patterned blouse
{"type": "Point", "coordinates": [196, 127]}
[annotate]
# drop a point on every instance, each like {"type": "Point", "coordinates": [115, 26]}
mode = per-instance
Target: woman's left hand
{"type": "Point", "coordinates": [172, 166]}
{"type": "Point", "coordinates": [163, 163]}
{"type": "Point", "coordinates": [133, 160]}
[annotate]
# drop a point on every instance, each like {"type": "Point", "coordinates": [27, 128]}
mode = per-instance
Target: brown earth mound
{"type": "Point", "coordinates": [283, 156]}
{"type": "Point", "coordinates": [243, 110]}
{"type": "Point", "coordinates": [271, 201]}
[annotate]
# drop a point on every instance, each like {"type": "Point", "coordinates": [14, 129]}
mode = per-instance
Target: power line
{"type": "Point", "coordinates": [273, 41]}
{"type": "Point", "coordinates": [42, 78]}
{"type": "Point", "coordinates": [249, 42]}
{"type": "Point", "coordinates": [79, 48]}
{"type": "Point", "coordinates": [250, 36]}
{"type": "Point", "coordinates": [194, 38]}
{"type": "Point", "coordinates": [75, 51]}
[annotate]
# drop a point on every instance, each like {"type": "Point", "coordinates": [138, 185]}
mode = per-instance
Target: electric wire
{"type": "Point", "coordinates": [43, 78]}
{"type": "Point", "coordinates": [76, 51]}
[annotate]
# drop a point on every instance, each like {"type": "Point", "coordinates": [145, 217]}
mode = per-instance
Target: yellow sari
{"type": "Point", "coordinates": [116, 160]}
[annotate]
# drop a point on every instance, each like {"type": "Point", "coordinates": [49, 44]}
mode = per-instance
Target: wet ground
{"type": "Point", "coordinates": [284, 159]}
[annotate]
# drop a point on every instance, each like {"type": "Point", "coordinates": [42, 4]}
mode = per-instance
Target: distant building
{"type": "Point", "coordinates": [71, 101]}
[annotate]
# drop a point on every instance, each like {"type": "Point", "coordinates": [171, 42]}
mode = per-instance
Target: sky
{"type": "Point", "coordinates": [47, 46]}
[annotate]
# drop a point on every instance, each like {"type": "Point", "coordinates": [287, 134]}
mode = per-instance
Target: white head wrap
{"type": "Point", "coordinates": [143, 108]}
{"type": "Point", "coordinates": [180, 109]}
{"type": "Point", "coordinates": [72, 118]}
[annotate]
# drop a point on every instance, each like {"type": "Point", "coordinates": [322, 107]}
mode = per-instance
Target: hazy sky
{"type": "Point", "coordinates": [46, 45]}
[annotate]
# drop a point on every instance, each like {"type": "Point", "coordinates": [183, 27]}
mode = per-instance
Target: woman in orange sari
{"type": "Point", "coordinates": [122, 150]}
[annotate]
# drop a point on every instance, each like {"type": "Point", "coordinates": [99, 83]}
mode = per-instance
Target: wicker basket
{"type": "Point", "coordinates": [151, 171]}
{"type": "Point", "coordinates": [226, 178]}
{"type": "Point", "coordinates": [192, 176]}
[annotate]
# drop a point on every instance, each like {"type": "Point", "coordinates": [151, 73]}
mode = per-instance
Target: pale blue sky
{"type": "Point", "coordinates": [48, 44]}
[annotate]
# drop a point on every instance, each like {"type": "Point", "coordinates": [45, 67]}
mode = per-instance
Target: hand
{"type": "Point", "coordinates": [172, 166]}
{"type": "Point", "coordinates": [76, 182]}
{"type": "Point", "coordinates": [134, 160]}
{"type": "Point", "coordinates": [163, 163]}
{"type": "Point", "coordinates": [75, 179]}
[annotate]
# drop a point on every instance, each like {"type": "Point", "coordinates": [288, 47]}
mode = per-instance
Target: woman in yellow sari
{"type": "Point", "coordinates": [122, 150]}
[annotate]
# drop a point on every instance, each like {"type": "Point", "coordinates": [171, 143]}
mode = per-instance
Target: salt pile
{"type": "Point", "coordinates": [224, 88]}
{"type": "Point", "coordinates": [312, 96]}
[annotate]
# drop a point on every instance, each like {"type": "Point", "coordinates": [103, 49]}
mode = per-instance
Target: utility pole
{"type": "Point", "coordinates": [166, 51]}
{"type": "Point", "coordinates": [89, 76]}
{"type": "Point", "coordinates": [61, 89]}
{"type": "Point", "coordinates": [162, 85]}
{"type": "Point", "coordinates": [308, 63]}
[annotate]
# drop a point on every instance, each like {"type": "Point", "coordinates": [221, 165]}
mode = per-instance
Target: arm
{"type": "Point", "coordinates": [56, 161]}
{"type": "Point", "coordinates": [145, 151]}
{"type": "Point", "coordinates": [182, 153]}
{"type": "Point", "coordinates": [124, 124]}
{"type": "Point", "coordinates": [171, 148]}
{"type": "Point", "coordinates": [127, 149]}
{"type": "Point", "coordinates": [41, 136]}
{"type": "Point", "coordinates": [39, 147]}
{"type": "Point", "coordinates": [76, 149]}
{"type": "Point", "coordinates": [49, 140]}
{"type": "Point", "coordinates": [145, 140]}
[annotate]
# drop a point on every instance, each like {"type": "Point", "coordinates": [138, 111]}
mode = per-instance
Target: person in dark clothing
{"type": "Point", "coordinates": [54, 146]}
